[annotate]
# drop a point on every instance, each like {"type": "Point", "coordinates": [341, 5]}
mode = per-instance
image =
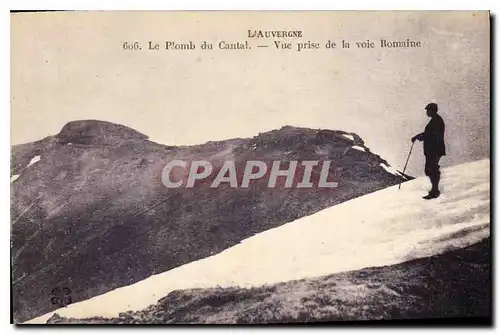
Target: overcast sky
{"type": "Point", "coordinates": [69, 66]}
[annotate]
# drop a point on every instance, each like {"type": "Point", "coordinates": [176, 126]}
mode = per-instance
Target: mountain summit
{"type": "Point", "coordinates": [96, 132]}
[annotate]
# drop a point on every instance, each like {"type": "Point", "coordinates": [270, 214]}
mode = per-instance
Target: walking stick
{"type": "Point", "coordinates": [406, 164]}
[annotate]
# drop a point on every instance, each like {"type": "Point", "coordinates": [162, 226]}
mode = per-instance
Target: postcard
{"type": "Point", "coordinates": [250, 167]}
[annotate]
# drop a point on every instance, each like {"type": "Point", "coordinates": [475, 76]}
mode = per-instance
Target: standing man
{"type": "Point", "coordinates": [434, 148]}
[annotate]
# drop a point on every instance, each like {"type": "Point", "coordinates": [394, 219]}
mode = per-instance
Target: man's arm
{"type": "Point", "coordinates": [420, 137]}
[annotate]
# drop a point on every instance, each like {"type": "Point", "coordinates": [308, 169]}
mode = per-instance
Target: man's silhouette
{"type": "Point", "coordinates": [434, 148]}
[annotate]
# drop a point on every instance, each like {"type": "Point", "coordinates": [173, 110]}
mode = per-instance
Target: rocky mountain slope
{"type": "Point", "coordinates": [90, 213]}
{"type": "Point", "coordinates": [380, 229]}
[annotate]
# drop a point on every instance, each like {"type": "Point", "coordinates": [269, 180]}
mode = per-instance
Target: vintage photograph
{"type": "Point", "coordinates": [250, 167]}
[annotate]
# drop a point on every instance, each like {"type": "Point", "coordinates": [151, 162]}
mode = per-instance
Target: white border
{"type": "Point", "coordinates": [8, 5]}
{"type": "Point", "coordinates": [251, 5]}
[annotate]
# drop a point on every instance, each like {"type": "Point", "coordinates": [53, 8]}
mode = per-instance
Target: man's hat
{"type": "Point", "coordinates": [432, 107]}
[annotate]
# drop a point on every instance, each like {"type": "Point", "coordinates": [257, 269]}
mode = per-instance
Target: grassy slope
{"type": "Point", "coordinates": [454, 284]}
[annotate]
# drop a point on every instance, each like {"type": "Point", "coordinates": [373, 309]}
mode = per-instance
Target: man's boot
{"type": "Point", "coordinates": [434, 193]}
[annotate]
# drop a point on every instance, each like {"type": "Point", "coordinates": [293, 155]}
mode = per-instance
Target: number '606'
{"type": "Point", "coordinates": [131, 46]}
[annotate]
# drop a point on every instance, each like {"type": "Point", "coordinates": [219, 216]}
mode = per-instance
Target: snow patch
{"type": "Point", "coordinates": [34, 160]}
{"type": "Point", "coordinates": [351, 137]}
{"type": "Point", "coordinates": [390, 169]}
{"type": "Point", "coordinates": [14, 177]}
{"type": "Point", "coordinates": [359, 148]}
{"type": "Point", "coordinates": [399, 226]}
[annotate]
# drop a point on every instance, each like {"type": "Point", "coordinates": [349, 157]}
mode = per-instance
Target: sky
{"type": "Point", "coordinates": [67, 66]}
